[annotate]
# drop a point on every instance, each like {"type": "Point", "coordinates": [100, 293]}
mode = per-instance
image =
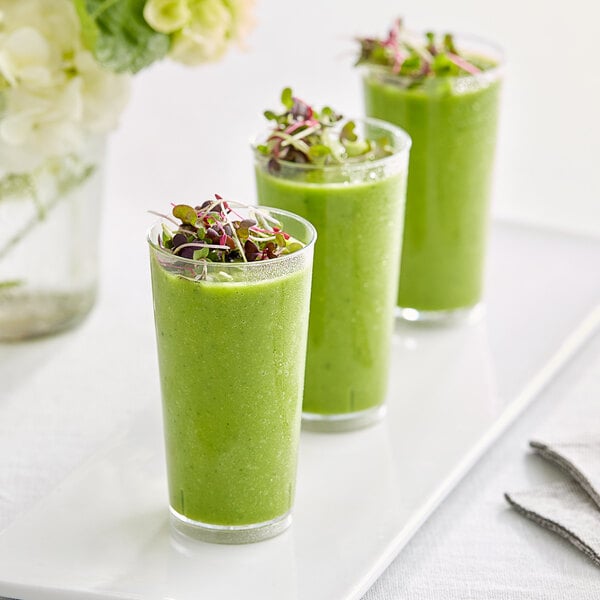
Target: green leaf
{"type": "Point", "coordinates": [442, 65]}
{"type": "Point", "coordinates": [327, 112]}
{"type": "Point", "coordinates": [357, 148]}
{"type": "Point", "coordinates": [319, 152]}
{"type": "Point", "coordinates": [270, 115]}
{"type": "Point", "coordinates": [287, 98]}
{"type": "Point", "coordinates": [424, 60]}
{"type": "Point", "coordinates": [117, 34]}
{"type": "Point", "coordinates": [201, 253]}
{"type": "Point", "coordinates": [430, 40]}
{"type": "Point", "coordinates": [303, 135]}
{"type": "Point", "coordinates": [449, 43]}
{"type": "Point", "coordinates": [17, 185]}
{"type": "Point", "coordinates": [243, 233]}
{"type": "Point", "coordinates": [412, 63]}
{"type": "Point", "coordinates": [89, 29]}
{"type": "Point", "coordinates": [347, 132]}
{"type": "Point", "coordinates": [10, 284]}
{"type": "Point", "coordinates": [329, 116]}
{"type": "Point", "coordinates": [186, 214]}
{"type": "Point", "coordinates": [292, 246]}
{"type": "Point", "coordinates": [167, 236]}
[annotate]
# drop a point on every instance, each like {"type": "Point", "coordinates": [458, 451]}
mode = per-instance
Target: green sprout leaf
{"type": "Point", "coordinates": [449, 43]}
{"type": "Point", "coordinates": [328, 116]}
{"type": "Point", "coordinates": [287, 98]}
{"type": "Point", "coordinates": [431, 42]}
{"type": "Point", "coordinates": [215, 232]}
{"type": "Point", "coordinates": [357, 148]}
{"type": "Point", "coordinates": [416, 63]}
{"type": "Point", "coordinates": [319, 152]}
{"type": "Point", "coordinates": [442, 65]}
{"type": "Point", "coordinates": [327, 112]}
{"type": "Point", "coordinates": [201, 253]}
{"type": "Point", "coordinates": [301, 134]}
{"type": "Point", "coordinates": [186, 214]}
{"type": "Point", "coordinates": [292, 246]}
{"type": "Point", "coordinates": [166, 235]}
{"type": "Point", "coordinates": [347, 132]}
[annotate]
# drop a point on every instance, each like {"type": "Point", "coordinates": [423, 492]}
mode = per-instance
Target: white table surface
{"type": "Point", "coordinates": [63, 397]}
{"type": "Point", "coordinates": [475, 547]}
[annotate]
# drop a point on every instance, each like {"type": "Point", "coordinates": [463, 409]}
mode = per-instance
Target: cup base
{"type": "Point", "coordinates": [453, 316]}
{"type": "Point", "coordinates": [342, 422]}
{"type": "Point", "coordinates": [228, 534]}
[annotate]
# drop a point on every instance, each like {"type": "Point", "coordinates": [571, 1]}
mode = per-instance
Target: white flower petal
{"type": "Point", "coordinates": [27, 46]}
{"type": "Point", "coordinates": [18, 128]}
{"type": "Point", "coordinates": [57, 93]}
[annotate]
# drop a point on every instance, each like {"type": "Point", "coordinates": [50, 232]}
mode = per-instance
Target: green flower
{"type": "Point", "coordinates": [201, 30]}
{"type": "Point", "coordinates": [167, 16]}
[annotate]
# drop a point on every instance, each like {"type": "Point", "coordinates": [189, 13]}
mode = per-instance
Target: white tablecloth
{"type": "Point", "coordinates": [475, 547]}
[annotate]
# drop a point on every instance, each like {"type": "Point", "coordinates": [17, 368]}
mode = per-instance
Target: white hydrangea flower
{"type": "Point", "coordinates": [53, 94]}
{"type": "Point", "coordinates": [26, 58]}
{"type": "Point", "coordinates": [202, 30]}
{"type": "Point", "coordinates": [104, 94]}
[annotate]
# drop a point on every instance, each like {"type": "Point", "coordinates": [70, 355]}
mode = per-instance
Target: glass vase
{"type": "Point", "coordinates": [49, 225]}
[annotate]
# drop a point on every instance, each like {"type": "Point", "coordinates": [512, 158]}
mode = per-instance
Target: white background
{"type": "Point", "coordinates": [185, 133]}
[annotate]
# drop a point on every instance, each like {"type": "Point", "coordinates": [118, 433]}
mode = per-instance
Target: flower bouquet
{"type": "Point", "coordinates": [65, 69]}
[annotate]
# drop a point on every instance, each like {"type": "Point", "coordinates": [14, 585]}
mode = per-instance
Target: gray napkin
{"type": "Point", "coordinates": [571, 508]}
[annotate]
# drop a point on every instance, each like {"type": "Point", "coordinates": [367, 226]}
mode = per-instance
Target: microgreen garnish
{"type": "Point", "coordinates": [416, 62]}
{"type": "Point", "coordinates": [215, 232]}
{"type": "Point", "coordinates": [301, 134]}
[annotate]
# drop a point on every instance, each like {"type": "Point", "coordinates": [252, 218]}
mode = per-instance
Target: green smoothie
{"type": "Point", "coordinates": [231, 357]}
{"type": "Point", "coordinates": [354, 283]}
{"type": "Point", "coordinates": [348, 178]}
{"type": "Point", "coordinates": [454, 137]}
{"type": "Point", "coordinates": [447, 101]}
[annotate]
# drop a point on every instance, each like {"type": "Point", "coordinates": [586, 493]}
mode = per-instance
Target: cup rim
{"type": "Point", "coordinates": [399, 133]}
{"type": "Point", "coordinates": [244, 265]}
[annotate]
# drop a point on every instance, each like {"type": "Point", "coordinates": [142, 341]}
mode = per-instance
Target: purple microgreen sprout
{"type": "Point", "coordinates": [215, 232]}
{"type": "Point", "coordinates": [463, 64]}
{"type": "Point", "coordinates": [301, 134]}
{"type": "Point", "coordinates": [416, 62]}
